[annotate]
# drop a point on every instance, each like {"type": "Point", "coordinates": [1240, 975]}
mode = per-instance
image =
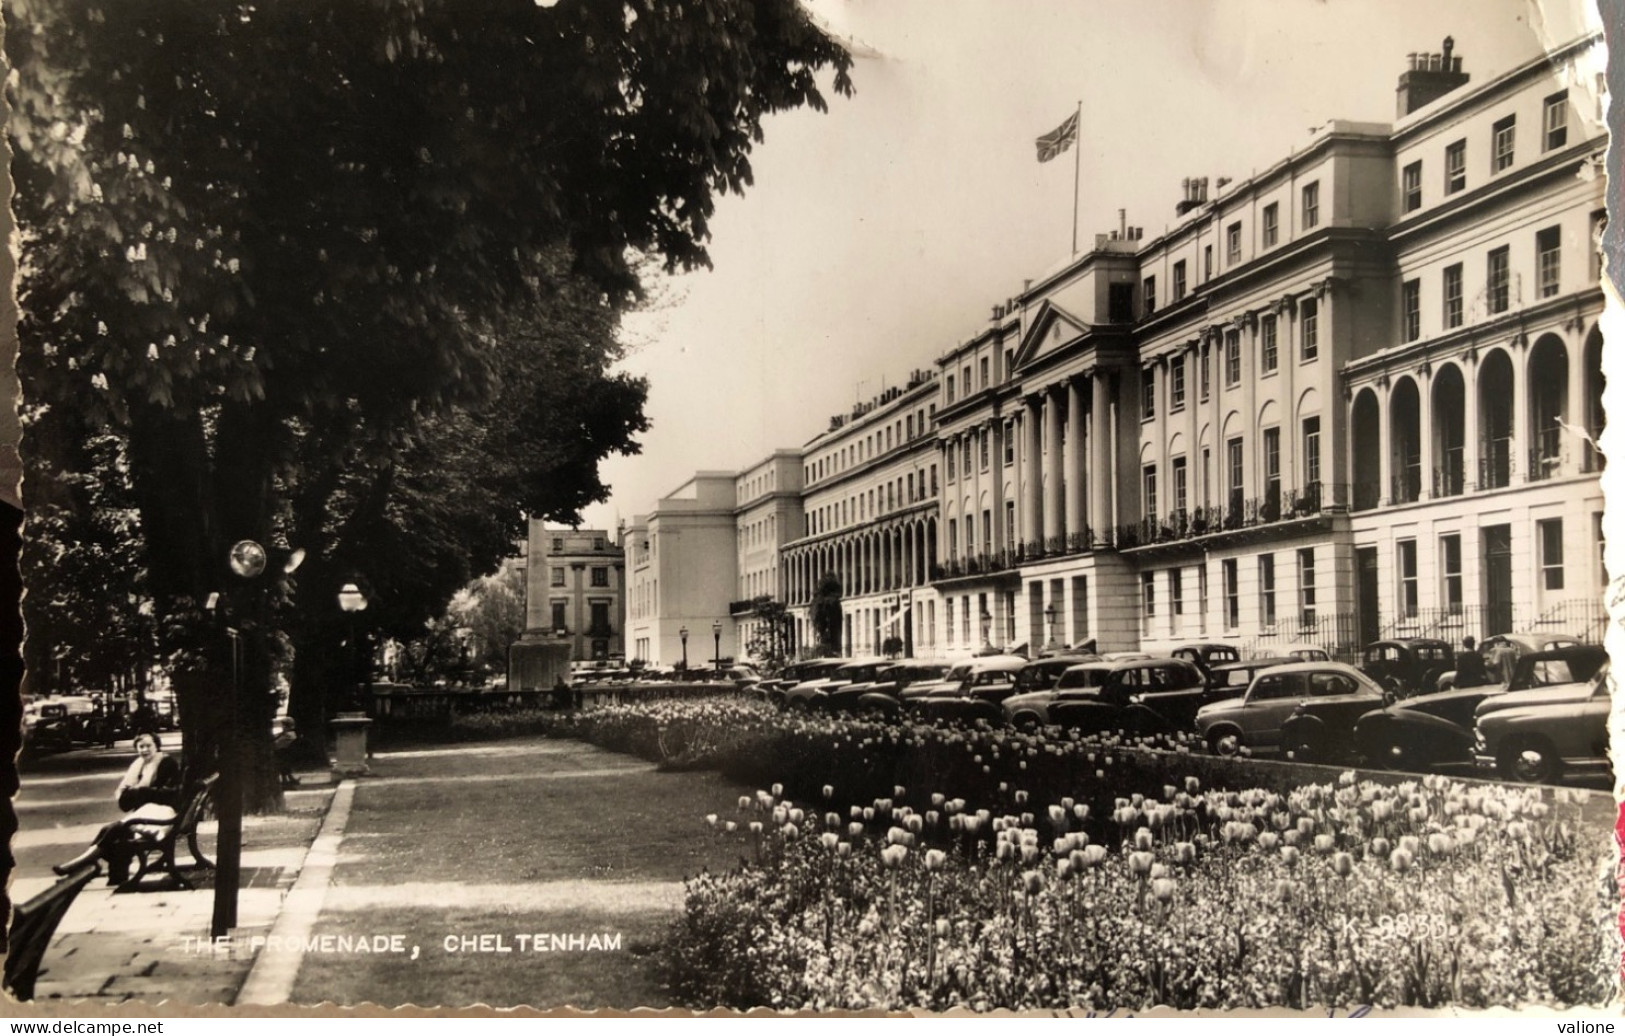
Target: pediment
{"type": "Point", "coordinates": [1052, 329]}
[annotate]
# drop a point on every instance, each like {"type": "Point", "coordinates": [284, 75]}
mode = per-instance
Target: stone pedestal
{"type": "Point", "coordinates": [350, 738]}
{"type": "Point", "coordinates": [538, 662]}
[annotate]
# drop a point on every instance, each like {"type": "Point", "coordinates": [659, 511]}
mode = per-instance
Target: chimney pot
{"type": "Point", "coordinates": [1455, 64]}
{"type": "Point", "coordinates": [1411, 60]}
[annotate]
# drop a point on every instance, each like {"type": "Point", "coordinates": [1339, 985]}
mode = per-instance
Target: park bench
{"type": "Point", "coordinates": [32, 925]}
{"type": "Point", "coordinates": [155, 851]}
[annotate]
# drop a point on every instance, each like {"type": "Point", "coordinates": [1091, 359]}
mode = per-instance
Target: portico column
{"type": "Point", "coordinates": [1073, 467]}
{"type": "Point", "coordinates": [1033, 473]}
{"type": "Point", "coordinates": [996, 469]}
{"type": "Point", "coordinates": [1053, 467]}
{"type": "Point", "coordinates": [1424, 431]}
{"type": "Point", "coordinates": [1100, 489]}
{"type": "Point", "coordinates": [1572, 448]}
{"type": "Point", "coordinates": [1385, 464]}
{"type": "Point", "coordinates": [1471, 477]}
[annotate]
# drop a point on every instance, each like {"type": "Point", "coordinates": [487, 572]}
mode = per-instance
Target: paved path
{"type": "Point", "coordinates": [530, 872]}
{"type": "Point", "coordinates": [110, 947]}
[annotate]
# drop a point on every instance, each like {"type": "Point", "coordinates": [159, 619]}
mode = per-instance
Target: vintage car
{"type": "Point", "coordinates": [1149, 696]}
{"type": "Point", "coordinates": [1543, 734]}
{"type": "Point", "coordinates": [1407, 666]}
{"type": "Point", "coordinates": [794, 673]}
{"type": "Point", "coordinates": [1233, 678]}
{"type": "Point", "coordinates": [1521, 645]}
{"type": "Point", "coordinates": [1255, 721]}
{"type": "Point", "coordinates": [1205, 656]}
{"type": "Point", "coordinates": [971, 690]}
{"type": "Point", "coordinates": [884, 692]}
{"type": "Point", "coordinates": [810, 692]}
{"type": "Point", "coordinates": [1434, 730]}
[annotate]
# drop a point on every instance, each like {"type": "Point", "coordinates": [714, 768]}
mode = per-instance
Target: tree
{"type": "Point", "coordinates": [247, 225]}
{"type": "Point", "coordinates": [826, 614]}
{"type": "Point", "coordinates": [771, 637]}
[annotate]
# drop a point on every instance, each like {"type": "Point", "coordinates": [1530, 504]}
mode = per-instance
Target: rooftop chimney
{"type": "Point", "coordinates": [1429, 77]}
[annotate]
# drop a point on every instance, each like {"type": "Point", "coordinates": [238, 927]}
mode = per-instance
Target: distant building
{"type": "Point", "coordinates": [574, 581]}
{"type": "Point", "coordinates": [684, 566]}
{"type": "Point", "coordinates": [1354, 396]}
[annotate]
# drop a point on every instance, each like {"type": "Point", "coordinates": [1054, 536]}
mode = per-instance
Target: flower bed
{"type": "Point", "coordinates": [1425, 894]}
{"type": "Point", "coordinates": [992, 869]}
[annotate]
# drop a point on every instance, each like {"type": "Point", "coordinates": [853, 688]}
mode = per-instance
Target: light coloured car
{"type": "Point", "coordinates": [1254, 721]}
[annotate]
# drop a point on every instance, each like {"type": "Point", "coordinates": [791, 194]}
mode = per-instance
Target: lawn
{"type": "Point", "coordinates": [547, 837]}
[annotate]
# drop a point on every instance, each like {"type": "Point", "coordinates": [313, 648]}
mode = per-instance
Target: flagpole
{"type": "Point", "coordinates": [1077, 160]}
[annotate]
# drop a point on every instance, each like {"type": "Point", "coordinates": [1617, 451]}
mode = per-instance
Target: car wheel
{"type": "Point", "coordinates": [1305, 748]}
{"type": "Point", "coordinates": [1224, 741]}
{"type": "Point", "coordinates": [1026, 722]}
{"type": "Point", "coordinates": [1531, 761]}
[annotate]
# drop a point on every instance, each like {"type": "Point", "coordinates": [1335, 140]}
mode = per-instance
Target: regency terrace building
{"type": "Point", "coordinates": [1354, 396]}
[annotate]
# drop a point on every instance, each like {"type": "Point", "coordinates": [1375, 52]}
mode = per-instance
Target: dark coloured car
{"type": "Point", "coordinates": [885, 690]}
{"type": "Point", "coordinates": [970, 691]}
{"type": "Point", "coordinates": [1206, 655]}
{"type": "Point", "coordinates": [1433, 730]}
{"type": "Point", "coordinates": [1154, 695]}
{"type": "Point", "coordinates": [794, 673]}
{"type": "Point", "coordinates": [1544, 734]}
{"type": "Point", "coordinates": [1408, 666]}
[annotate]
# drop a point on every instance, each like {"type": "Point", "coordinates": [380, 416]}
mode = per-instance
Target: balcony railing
{"type": "Point", "coordinates": [1239, 513]}
{"type": "Point", "coordinates": [741, 607]}
{"type": "Point", "coordinates": [1406, 486]}
{"type": "Point", "coordinates": [1450, 478]}
{"type": "Point", "coordinates": [1547, 458]}
{"type": "Point", "coordinates": [1495, 464]}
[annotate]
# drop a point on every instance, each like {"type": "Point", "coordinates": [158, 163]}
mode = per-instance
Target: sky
{"type": "Point", "coordinates": [880, 234]}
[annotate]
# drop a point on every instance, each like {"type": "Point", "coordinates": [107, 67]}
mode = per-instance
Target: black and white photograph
{"type": "Point", "coordinates": [913, 506]}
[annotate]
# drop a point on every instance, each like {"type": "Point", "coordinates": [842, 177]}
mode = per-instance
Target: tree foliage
{"type": "Point", "coordinates": [272, 249]}
{"type": "Point", "coordinates": [826, 613]}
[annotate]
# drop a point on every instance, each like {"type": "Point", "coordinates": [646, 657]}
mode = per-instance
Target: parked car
{"type": "Point", "coordinates": [1408, 666]}
{"type": "Point", "coordinates": [1030, 710]}
{"type": "Point", "coordinates": [1304, 652]}
{"type": "Point", "coordinates": [971, 690]}
{"type": "Point", "coordinates": [1142, 697]}
{"type": "Point", "coordinates": [792, 674]}
{"type": "Point", "coordinates": [1433, 730]}
{"type": "Point", "coordinates": [1521, 643]}
{"type": "Point", "coordinates": [1206, 655]}
{"type": "Point", "coordinates": [808, 692]}
{"type": "Point", "coordinates": [1231, 679]}
{"type": "Point", "coordinates": [1038, 678]}
{"type": "Point", "coordinates": [884, 692]}
{"type": "Point", "coordinates": [1254, 721]}
{"type": "Point", "coordinates": [1543, 734]}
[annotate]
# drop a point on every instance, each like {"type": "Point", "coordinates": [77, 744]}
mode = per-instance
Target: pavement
{"type": "Point", "coordinates": [417, 884]}
{"type": "Point", "coordinates": [151, 946]}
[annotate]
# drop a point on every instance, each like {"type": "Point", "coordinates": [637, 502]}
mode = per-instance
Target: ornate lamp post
{"type": "Point", "coordinates": [247, 561]}
{"type": "Point", "coordinates": [716, 650]}
{"type": "Point", "coordinates": [1049, 614]}
{"type": "Point", "coordinates": [682, 634]}
{"type": "Point", "coordinates": [353, 602]}
{"type": "Point", "coordinates": [350, 726]}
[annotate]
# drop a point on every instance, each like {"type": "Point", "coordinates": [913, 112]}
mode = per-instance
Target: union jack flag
{"type": "Point", "coordinates": [1057, 140]}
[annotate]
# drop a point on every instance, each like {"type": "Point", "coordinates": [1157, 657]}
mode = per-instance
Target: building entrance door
{"type": "Point", "coordinates": [1370, 620]}
{"type": "Point", "coordinates": [1497, 579]}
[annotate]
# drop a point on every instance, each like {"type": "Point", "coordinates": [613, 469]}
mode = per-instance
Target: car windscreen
{"type": "Point", "coordinates": [1082, 678]}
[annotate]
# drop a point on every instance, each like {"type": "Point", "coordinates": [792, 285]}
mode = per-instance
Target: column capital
{"type": "Point", "coordinates": [1286, 305]}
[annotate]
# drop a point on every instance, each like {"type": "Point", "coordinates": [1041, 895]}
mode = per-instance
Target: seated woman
{"type": "Point", "coordinates": [150, 791]}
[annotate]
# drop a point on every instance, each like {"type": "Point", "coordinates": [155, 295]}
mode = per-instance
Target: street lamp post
{"type": "Point", "coordinates": [682, 634]}
{"type": "Point", "coordinates": [1049, 614]}
{"type": "Point", "coordinates": [353, 602]}
{"type": "Point", "coordinates": [716, 650]}
{"type": "Point", "coordinates": [247, 561]}
{"type": "Point", "coordinates": [350, 726]}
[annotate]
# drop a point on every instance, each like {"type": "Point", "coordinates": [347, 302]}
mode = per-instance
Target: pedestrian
{"type": "Point", "coordinates": [1470, 671]}
{"type": "Point", "coordinates": [285, 737]}
{"type": "Point", "coordinates": [149, 795]}
{"type": "Point", "coordinates": [1502, 661]}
